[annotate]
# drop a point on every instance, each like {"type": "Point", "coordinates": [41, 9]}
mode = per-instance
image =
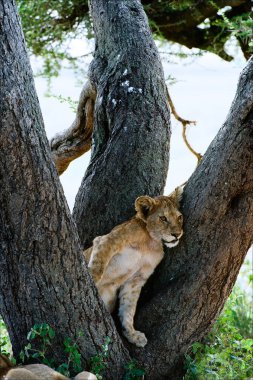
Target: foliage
{"type": "Point", "coordinates": [41, 335]}
{"type": "Point", "coordinates": [41, 342]}
{"type": "Point", "coordinates": [98, 362]}
{"type": "Point", "coordinates": [41, 338]}
{"type": "Point", "coordinates": [240, 26]}
{"type": "Point", "coordinates": [169, 6]}
{"type": "Point", "coordinates": [46, 22]}
{"type": "Point", "coordinates": [74, 358]}
{"type": "Point", "coordinates": [50, 26]}
{"type": "Point", "coordinates": [133, 372]}
{"type": "Point", "coordinates": [67, 100]}
{"type": "Point", "coordinates": [5, 345]}
{"type": "Point", "coordinates": [227, 352]}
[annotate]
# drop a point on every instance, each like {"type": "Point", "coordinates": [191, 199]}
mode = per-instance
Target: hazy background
{"type": "Point", "coordinates": [203, 92]}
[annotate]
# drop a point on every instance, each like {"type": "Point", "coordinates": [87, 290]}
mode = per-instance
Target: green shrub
{"type": "Point", "coordinates": [98, 362]}
{"type": "Point", "coordinates": [5, 344]}
{"type": "Point", "coordinates": [40, 344]}
{"type": "Point", "coordinates": [227, 352]}
{"type": "Point", "coordinates": [133, 372]}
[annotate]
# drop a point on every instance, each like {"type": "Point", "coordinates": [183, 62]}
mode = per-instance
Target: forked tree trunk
{"type": "Point", "coordinates": [43, 276]}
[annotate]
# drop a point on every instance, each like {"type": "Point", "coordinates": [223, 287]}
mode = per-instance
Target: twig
{"type": "Point", "coordinates": [184, 124]}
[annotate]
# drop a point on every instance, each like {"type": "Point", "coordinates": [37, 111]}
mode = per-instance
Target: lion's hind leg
{"type": "Point", "coordinates": [129, 295]}
{"type": "Point", "coordinates": [108, 293]}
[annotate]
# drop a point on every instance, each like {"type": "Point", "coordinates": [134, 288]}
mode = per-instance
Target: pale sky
{"type": "Point", "coordinates": [204, 92]}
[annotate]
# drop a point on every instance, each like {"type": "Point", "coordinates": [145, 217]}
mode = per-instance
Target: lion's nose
{"type": "Point", "coordinates": [176, 235]}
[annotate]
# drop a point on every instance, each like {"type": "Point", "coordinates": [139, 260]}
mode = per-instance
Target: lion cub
{"type": "Point", "coordinates": [122, 261]}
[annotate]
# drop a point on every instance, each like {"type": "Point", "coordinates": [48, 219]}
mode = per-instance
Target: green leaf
{"type": "Point", "coordinates": [31, 335]}
{"type": "Point", "coordinates": [36, 355]}
{"type": "Point", "coordinates": [51, 333]}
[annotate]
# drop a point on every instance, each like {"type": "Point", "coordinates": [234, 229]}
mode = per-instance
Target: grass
{"type": "Point", "coordinates": [227, 352]}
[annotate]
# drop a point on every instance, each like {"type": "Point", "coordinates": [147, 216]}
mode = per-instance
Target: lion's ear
{"type": "Point", "coordinates": [143, 206]}
{"type": "Point", "coordinates": [177, 194]}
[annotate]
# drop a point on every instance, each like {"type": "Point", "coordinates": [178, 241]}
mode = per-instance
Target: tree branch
{"type": "Point", "coordinates": [184, 123]}
{"type": "Point", "coordinates": [189, 289]}
{"type": "Point", "coordinates": [179, 20]}
{"type": "Point", "coordinates": [176, 21]}
{"type": "Point", "coordinates": [76, 140]}
{"type": "Point", "coordinates": [175, 25]}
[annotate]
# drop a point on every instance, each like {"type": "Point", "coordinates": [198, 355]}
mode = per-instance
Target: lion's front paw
{"type": "Point", "coordinates": [136, 337]}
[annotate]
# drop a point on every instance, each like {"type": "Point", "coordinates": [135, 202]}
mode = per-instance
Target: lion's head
{"type": "Point", "coordinates": [161, 214]}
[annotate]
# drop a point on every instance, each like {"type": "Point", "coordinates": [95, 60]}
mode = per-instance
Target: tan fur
{"type": "Point", "coordinates": [21, 374]}
{"type": "Point", "coordinates": [122, 261]}
{"type": "Point", "coordinates": [85, 376]}
{"type": "Point", "coordinates": [35, 372]}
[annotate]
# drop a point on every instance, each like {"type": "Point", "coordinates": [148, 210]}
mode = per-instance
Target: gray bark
{"type": "Point", "coordinates": [43, 274]}
{"type": "Point", "coordinates": [189, 289]}
{"type": "Point", "coordinates": [131, 123]}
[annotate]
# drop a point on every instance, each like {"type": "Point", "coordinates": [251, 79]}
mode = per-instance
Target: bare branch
{"type": "Point", "coordinates": [184, 124]}
{"type": "Point", "coordinates": [76, 140]}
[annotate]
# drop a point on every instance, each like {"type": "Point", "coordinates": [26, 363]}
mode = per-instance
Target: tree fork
{"type": "Point", "coordinates": [39, 255]}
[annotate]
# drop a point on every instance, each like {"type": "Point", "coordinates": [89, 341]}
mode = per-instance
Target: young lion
{"type": "Point", "coordinates": [124, 259]}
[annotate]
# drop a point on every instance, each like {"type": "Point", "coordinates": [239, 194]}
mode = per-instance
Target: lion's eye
{"type": "Point", "coordinates": [180, 218]}
{"type": "Point", "coordinates": [163, 219]}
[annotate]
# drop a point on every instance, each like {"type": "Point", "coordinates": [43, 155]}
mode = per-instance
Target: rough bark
{"type": "Point", "coordinates": [189, 289]}
{"type": "Point", "coordinates": [43, 274]}
{"type": "Point", "coordinates": [131, 123]}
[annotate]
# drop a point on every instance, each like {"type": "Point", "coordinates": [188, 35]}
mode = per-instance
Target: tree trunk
{"type": "Point", "coordinates": [43, 274]}
{"type": "Point", "coordinates": [43, 277]}
{"type": "Point", "coordinates": [131, 123]}
{"type": "Point", "coordinates": [189, 289]}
